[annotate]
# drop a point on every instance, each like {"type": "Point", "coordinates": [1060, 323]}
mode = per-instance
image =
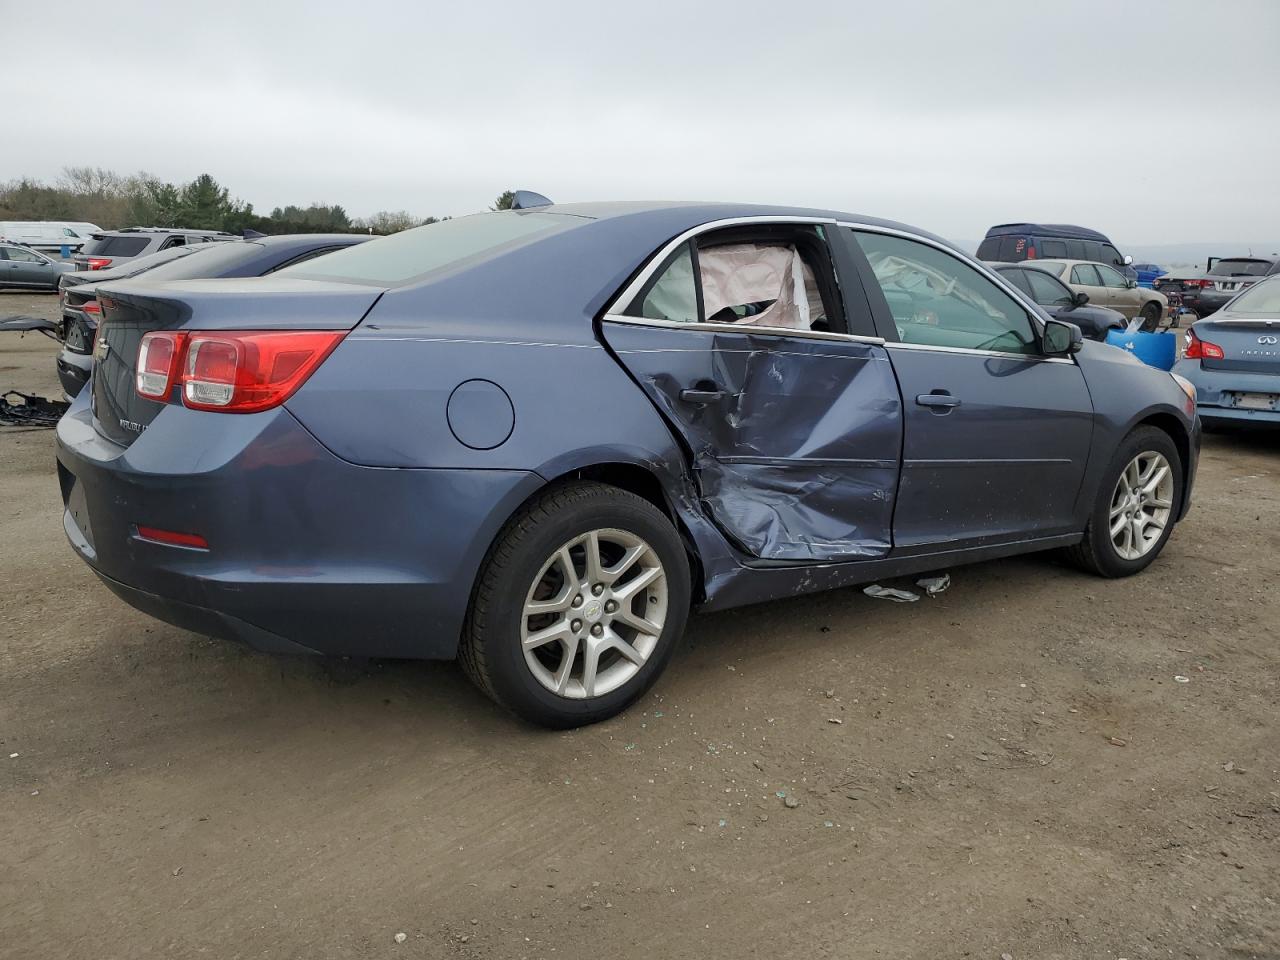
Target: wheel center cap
{"type": "Point", "coordinates": [593, 611]}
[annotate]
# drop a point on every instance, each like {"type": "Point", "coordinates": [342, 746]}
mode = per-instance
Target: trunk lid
{"type": "Point", "coordinates": [1248, 346]}
{"type": "Point", "coordinates": [131, 309]}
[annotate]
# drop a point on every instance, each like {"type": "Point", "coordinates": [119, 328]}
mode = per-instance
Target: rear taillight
{"type": "Point", "coordinates": [232, 371]}
{"type": "Point", "coordinates": [97, 263]}
{"type": "Point", "coordinates": [1201, 284]}
{"type": "Point", "coordinates": [1197, 349]}
{"type": "Point", "coordinates": [159, 355]}
{"type": "Point", "coordinates": [91, 307]}
{"type": "Point", "coordinates": [1031, 253]}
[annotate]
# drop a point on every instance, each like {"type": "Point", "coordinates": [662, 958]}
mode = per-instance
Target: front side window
{"type": "Point", "coordinates": [1048, 291]}
{"type": "Point", "coordinates": [1111, 255]}
{"type": "Point", "coordinates": [939, 300]}
{"type": "Point", "coordinates": [23, 256]}
{"type": "Point", "coordinates": [1086, 275]}
{"type": "Point", "coordinates": [1111, 278]}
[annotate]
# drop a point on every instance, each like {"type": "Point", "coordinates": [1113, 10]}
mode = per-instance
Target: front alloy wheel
{"type": "Point", "coordinates": [1141, 505]}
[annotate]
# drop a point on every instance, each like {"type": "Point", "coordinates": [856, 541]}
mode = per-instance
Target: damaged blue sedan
{"type": "Point", "coordinates": [535, 439]}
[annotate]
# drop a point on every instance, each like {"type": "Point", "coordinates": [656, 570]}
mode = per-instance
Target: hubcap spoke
{"type": "Point", "coordinates": [632, 587]}
{"type": "Point", "coordinates": [560, 631]}
{"type": "Point", "coordinates": [611, 574]}
{"type": "Point", "coordinates": [627, 618]}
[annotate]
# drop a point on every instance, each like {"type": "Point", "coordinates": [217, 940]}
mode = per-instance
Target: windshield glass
{"type": "Point", "coordinates": [405, 256]}
{"type": "Point", "coordinates": [1241, 268]}
{"type": "Point", "coordinates": [207, 260]}
{"type": "Point", "coordinates": [1261, 299]}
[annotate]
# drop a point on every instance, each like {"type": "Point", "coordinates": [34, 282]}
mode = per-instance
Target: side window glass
{"type": "Point", "coordinates": [673, 295]}
{"type": "Point", "coordinates": [1053, 248]}
{"type": "Point", "coordinates": [1110, 277]}
{"type": "Point", "coordinates": [4, 253]}
{"type": "Point", "coordinates": [1085, 275]}
{"type": "Point", "coordinates": [25, 256]}
{"type": "Point", "coordinates": [1018, 278]}
{"type": "Point", "coordinates": [1111, 255]}
{"type": "Point", "coordinates": [1076, 250]}
{"type": "Point", "coordinates": [939, 300]}
{"type": "Point", "coordinates": [760, 284]}
{"type": "Point", "coordinates": [176, 241]}
{"type": "Point", "coordinates": [1048, 291]}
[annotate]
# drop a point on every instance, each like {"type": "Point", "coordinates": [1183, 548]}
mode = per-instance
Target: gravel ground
{"type": "Point", "coordinates": [1016, 769]}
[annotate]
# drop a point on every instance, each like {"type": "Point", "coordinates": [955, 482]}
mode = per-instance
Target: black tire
{"type": "Point", "coordinates": [490, 651]}
{"type": "Point", "coordinates": [1096, 553]}
{"type": "Point", "coordinates": [1150, 314]}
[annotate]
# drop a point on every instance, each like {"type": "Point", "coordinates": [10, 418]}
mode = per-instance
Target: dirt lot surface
{"type": "Point", "coordinates": [1035, 763]}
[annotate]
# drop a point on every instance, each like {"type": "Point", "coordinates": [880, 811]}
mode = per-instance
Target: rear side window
{"type": "Point", "coordinates": [118, 246]}
{"type": "Point", "coordinates": [1085, 275]}
{"type": "Point", "coordinates": [673, 295]}
{"type": "Point", "coordinates": [1018, 279]}
{"type": "Point", "coordinates": [405, 256]}
{"type": "Point", "coordinates": [1076, 250]}
{"type": "Point", "coordinates": [1053, 248]}
{"type": "Point", "coordinates": [1262, 299]}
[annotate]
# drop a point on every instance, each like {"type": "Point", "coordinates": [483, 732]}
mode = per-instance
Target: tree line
{"type": "Point", "coordinates": [112, 200]}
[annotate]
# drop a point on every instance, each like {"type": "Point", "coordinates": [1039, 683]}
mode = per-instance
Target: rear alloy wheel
{"type": "Point", "coordinates": [1150, 316]}
{"type": "Point", "coordinates": [1134, 512]}
{"type": "Point", "coordinates": [578, 607]}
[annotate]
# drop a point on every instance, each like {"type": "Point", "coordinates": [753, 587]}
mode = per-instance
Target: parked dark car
{"type": "Point", "coordinates": [1015, 242]}
{"type": "Point", "coordinates": [1204, 292]}
{"type": "Point", "coordinates": [24, 268]}
{"type": "Point", "coordinates": [533, 438]}
{"type": "Point", "coordinates": [110, 248]}
{"type": "Point", "coordinates": [1233, 358]}
{"type": "Point", "coordinates": [81, 308]}
{"type": "Point", "coordinates": [1061, 302]}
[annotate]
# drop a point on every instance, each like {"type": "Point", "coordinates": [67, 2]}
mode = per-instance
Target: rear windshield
{"type": "Point", "coordinates": [207, 260]}
{"type": "Point", "coordinates": [1262, 299]}
{"type": "Point", "coordinates": [405, 256]}
{"type": "Point", "coordinates": [1241, 268]}
{"type": "Point", "coordinates": [117, 246]}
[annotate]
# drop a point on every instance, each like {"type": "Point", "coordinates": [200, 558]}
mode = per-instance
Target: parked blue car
{"type": "Point", "coordinates": [534, 439]}
{"type": "Point", "coordinates": [1147, 273]}
{"type": "Point", "coordinates": [1233, 358]}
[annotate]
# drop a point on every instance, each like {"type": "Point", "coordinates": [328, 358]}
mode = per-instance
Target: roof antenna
{"type": "Point", "coordinates": [524, 199]}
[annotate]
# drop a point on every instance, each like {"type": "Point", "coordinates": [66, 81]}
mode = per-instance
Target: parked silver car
{"type": "Point", "coordinates": [29, 269]}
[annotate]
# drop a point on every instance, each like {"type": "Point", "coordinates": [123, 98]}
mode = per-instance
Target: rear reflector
{"type": "Point", "coordinates": [172, 538]}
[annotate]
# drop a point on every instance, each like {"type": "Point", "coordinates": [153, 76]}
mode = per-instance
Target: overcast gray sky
{"type": "Point", "coordinates": [1156, 122]}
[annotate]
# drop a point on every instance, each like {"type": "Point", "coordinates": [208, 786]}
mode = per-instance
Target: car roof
{"type": "Point", "coordinates": [1067, 231]}
{"type": "Point", "coordinates": [694, 213]}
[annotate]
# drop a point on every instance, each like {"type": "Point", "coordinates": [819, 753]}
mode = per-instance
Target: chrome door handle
{"type": "Point", "coordinates": [938, 400]}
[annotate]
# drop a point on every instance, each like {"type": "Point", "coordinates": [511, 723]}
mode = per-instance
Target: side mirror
{"type": "Point", "coordinates": [1127, 260]}
{"type": "Point", "coordinates": [1080, 299]}
{"type": "Point", "coordinates": [1131, 284]}
{"type": "Point", "coordinates": [1061, 339]}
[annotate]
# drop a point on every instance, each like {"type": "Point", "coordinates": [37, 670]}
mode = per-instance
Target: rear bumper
{"type": "Point", "coordinates": [73, 371]}
{"type": "Point", "coordinates": [307, 553]}
{"type": "Point", "coordinates": [1217, 391]}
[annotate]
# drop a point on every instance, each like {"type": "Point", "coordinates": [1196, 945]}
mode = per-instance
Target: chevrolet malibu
{"type": "Point", "coordinates": [535, 439]}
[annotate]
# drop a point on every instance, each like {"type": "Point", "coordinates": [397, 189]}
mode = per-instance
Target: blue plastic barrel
{"type": "Point", "coordinates": [1158, 350]}
{"type": "Point", "coordinates": [66, 251]}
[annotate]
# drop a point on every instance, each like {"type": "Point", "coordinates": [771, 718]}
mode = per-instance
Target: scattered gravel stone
{"type": "Point", "coordinates": [400, 938]}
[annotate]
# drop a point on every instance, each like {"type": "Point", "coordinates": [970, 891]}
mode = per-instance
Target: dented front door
{"type": "Point", "coordinates": [795, 438]}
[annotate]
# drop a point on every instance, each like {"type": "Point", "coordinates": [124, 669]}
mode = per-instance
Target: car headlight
{"type": "Point", "coordinates": [1187, 386]}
